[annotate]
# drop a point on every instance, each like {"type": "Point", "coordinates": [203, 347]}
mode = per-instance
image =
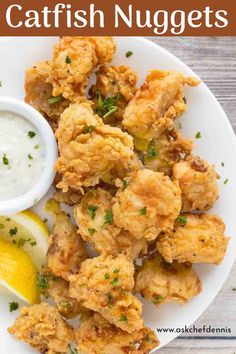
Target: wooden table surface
{"type": "Point", "coordinates": [214, 60]}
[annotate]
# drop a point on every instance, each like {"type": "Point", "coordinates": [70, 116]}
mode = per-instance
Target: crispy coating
{"type": "Point", "coordinates": [159, 100]}
{"type": "Point", "coordinates": [88, 148]}
{"type": "Point", "coordinates": [66, 248]}
{"type": "Point", "coordinates": [148, 205]}
{"type": "Point", "coordinates": [200, 240]}
{"type": "Point", "coordinates": [38, 91]}
{"type": "Point", "coordinates": [97, 336]}
{"type": "Point", "coordinates": [94, 218]}
{"type": "Point", "coordinates": [161, 282]}
{"type": "Point", "coordinates": [43, 328]}
{"type": "Point", "coordinates": [162, 153]}
{"type": "Point", "coordinates": [104, 284]}
{"type": "Point", "coordinates": [73, 61]}
{"type": "Point", "coordinates": [198, 183]}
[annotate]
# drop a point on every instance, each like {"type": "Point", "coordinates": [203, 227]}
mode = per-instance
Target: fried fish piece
{"type": "Point", "coordinates": [95, 336]}
{"type": "Point", "coordinates": [43, 328]}
{"type": "Point", "coordinates": [73, 61]}
{"type": "Point", "coordinates": [88, 148]}
{"type": "Point", "coordinates": [196, 238]}
{"type": "Point", "coordinates": [160, 154]}
{"type": "Point", "coordinates": [159, 100]}
{"type": "Point", "coordinates": [39, 93]}
{"type": "Point", "coordinates": [66, 248]}
{"type": "Point", "coordinates": [148, 205]}
{"type": "Point", "coordinates": [104, 284]}
{"type": "Point", "coordinates": [94, 218]}
{"type": "Point", "coordinates": [161, 282]}
{"type": "Point", "coordinates": [198, 183]}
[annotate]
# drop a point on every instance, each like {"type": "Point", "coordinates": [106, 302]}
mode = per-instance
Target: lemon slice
{"type": "Point", "coordinates": [28, 232]}
{"type": "Point", "coordinates": [18, 274]}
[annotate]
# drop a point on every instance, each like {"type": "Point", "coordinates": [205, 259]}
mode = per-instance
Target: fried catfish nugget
{"type": "Point", "coordinates": [104, 284]}
{"type": "Point", "coordinates": [39, 93]}
{"type": "Point", "coordinates": [115, 87]}
{"type": "Point", "coordinates": [66, 248]}
{"type": "Point", "coordinates": [43, 328]}
{"type": "Point", "coordinates": [159, 100]}
{"type": "Point", "coordinates": [198, 183]}
{"type": "Point", "coordinates": [148, 205]}
{"type": "Point", "coordinates": [162, 153]}
{"type": "Point", "coordinates": [197, 238]}
{"type": "Point", "coordinates": [88, 148]}
{"type": "Point", "coordinates": [94, 218]}
{"type": "Point", "coordinates": [73, 61]}
{"type": "Point", "coordinates": [95, 336]}
{"type": "Point", "coordinates": [160, 282]}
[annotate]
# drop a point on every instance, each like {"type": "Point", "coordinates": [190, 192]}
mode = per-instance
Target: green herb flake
{"type": "Point", "coordinates": [33, 243]}
{"type": "Point", "coordinates": [115, 281]}
{"type": "Point", "coordinates": [110, 298]}
{"type": "Point", "coordinates": [125, 183]}
{"type": "Point", "coordinates": [73, 350]}
{"type": "Point", "coordinates": [108, 217]}
{"type": "Point", "coordinates": [21, 242]}
{"type": "Point", "coordinates": [106, 276]}
{"type": "Point", "coordinates": [152, 152]}
{"type": "Point", "coordinates": [30, 157]}
{"type": "Point", "coordinates": [143, 211]}
{"type": "Point", "coordinates": [116, 271]}
{"type": "Point", "coordinates": [198, 135]}
{"type": "Point", "coordinates": [180, 125]}
{"type": "Point", "coordinates": [13, 231]}
{"type": "Point", "coordinates": [226, 181]}
{"type": "Point", "coordinates": [128, 54]}
{"type": "Point", "coordinates": [68, 60]}
{"type": "Point", "coordinates": [184, 99]}
{"type": "Point", "coordinates": [106, 106]}
{"type": "Point", "coordinates": [55, 99]}
{"type": "Point", "coordinates": [222, 164]}
{"type": "Point", "coordinates": [123, 318]}
{"type": "Point", "coordinates": [88, 129]}
{"type": "Point", "coordinates": [31, 134]}
{"type": "Point", "coordinates": [36, 147]}
{"type": "Point", "coordinates": [91, 231]}
{"type": "Point", "coordinates": [42, 282]}
{"type": "Point", "coordinates": [158, 298]}
{"type": "Point", "coordinates": [1, 226]}
{"type": "Point", "coordinates": [92, 209]}
{"type": "Point", "coordinates": [182, 220]}
{"type": "Point", "coordinates": [234, 289]}
{"type": "Point", "coordinates": [5, 160]}
{"type": "Point", "coordinates": [13, 306]}
{"type": "Point", "coordinates": [65, 303]}
{"type": "Point", "coordinates": [45, 220]}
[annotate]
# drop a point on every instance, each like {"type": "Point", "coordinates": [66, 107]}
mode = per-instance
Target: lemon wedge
{"type": "Point", "coordinates": [28, 232]}
{"type": "Point", "coordinates": [18, 274]}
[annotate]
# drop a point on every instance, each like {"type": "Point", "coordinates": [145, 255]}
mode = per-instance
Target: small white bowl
{"type": "Point", "coordinates": [43, 184]}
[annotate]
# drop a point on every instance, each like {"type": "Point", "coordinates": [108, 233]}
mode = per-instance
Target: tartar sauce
{"type": "Point", "coordinates": [22, 155]}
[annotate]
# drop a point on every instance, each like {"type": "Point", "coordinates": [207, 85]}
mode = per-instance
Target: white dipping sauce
{"type": "Point", "coordinates": [22, 155]}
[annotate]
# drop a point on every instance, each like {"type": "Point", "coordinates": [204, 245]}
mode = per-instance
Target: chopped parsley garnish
{"type": "Point", "coordinates": [55, 99]}
{"type": "Point", "coordinates": [91, 231]}
{"type": "Point", "coordinates": [158, 298]}
{"type": "Point", "coordinates": [234, 289]}
{"type": "Point", "coordinates": [33, 243]}
{"type": "Point", "coordinates": [182, 220]}
{"type": "Point", "coordinates": [110, 298]}
{"type": "Point", "coordinates": [123, 318]}
{"type": "Point", "coordinates": [21, 242]}
{"type": "Point", "coordinates": [108, 217]}
{"type": "Point", "coordinates": [88, 129]}
{"type": "Point", "coordinates": [116, 270]}
{"type": "Point", "coordinates": [0, 83]}
{"type": "Point", "coordinates": [73, 351]}
{"type": "Point", "coordinates": [152, 150]}
{"type": "Point", "coordinates": [184, 99]}
{"type": "Point", "coordinates": [198, 135]}
{"type": "Point", "coordinates": [5, 160]}
{"type": "Point", "coordinates": [106, 106]}
{"type": "Point", "coordinates": [125, 183]}
{"type": "Point", "coordinates": [128, 54]}
{"type": "Point", "coordinates": [222, 164]}
{"type": "Point", "coordinates": [226, 181]}
{"type": "Point", "coordinates": [115, 281]}
{"type": "Point", "coordinates": [13, 306]}
{"type": "Point", "coordinates": [36, 147]}
{"type": "Point", "coordinates": [68, 60]}
{"type": "Point", "coordinates": [92, 210]}
{"type": "Point", "coordinates": [30, 157]}
{"type": "Point", "coordinates": [1, 226]}
{"type": "Point", "coordinates": [42, 282]}
{"type": "Point", "coordinates": [65, 303]}
{"type": "Point", "coordinates": [106, 276]}
{"type": "Point", "coordinates": [31, 134]}
{"type": "Point", "coordinates": [143, 211]}
{"type": "Point", "coordinates": [13, 231]}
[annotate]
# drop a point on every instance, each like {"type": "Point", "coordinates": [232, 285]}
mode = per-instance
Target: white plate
{"type": "Point", "coordinates": [217, 145]}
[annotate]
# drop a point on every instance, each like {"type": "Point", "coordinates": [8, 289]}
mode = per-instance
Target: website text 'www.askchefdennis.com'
{"type": "Point", "coordinates": [196, 330]}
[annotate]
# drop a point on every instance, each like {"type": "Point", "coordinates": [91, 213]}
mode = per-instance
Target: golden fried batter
{"type": "Point", "coordinates": [43, 328]}
{"type": "Point", "coordinates": [39, 92]}
{"type": "Point", "coordinates": [66, 248]}
{"type": "Point", "coordinates": [156, 104]}
{"type": "Point", "coordinates": [97, 336]}
{"type": "Point", "coordinates": [198, 183]}
{"type": "Point", "coordinates": [195, 239]}
{"type": "Point", "coordinates": [88, 148]}
{"type": "Point", "coordinates": [95, 220]}
{"type": "Point", "coordinates": [148, 205]}
{"type": "Point", "coordinates": [162, 153]}
{"type": "Point", "coordinates": [104, 284]}
{"type": "Point", "coordinates": [73, 61]}
{"type": "Point", "coordinates": [161, 282]}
